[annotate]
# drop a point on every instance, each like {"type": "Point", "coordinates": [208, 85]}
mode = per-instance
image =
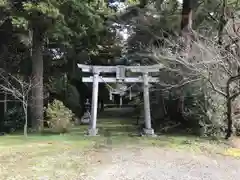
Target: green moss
{"type": "Point", "coordinates": [232, 152]}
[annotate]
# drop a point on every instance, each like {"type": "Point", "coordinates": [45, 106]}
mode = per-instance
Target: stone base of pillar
{"type": "Point", "coordinates": [149, 132]}
{"type": "Point", "coordinates": [92, 132]}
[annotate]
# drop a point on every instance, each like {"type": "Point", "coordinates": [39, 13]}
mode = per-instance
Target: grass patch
{"type": "Point", "coordinates": [67, 156]}
{"type": "Point", "coordinates": [234, 152]}
{"type": "Point", "coordinates": [57, 157]}
{"type": "Point", "coordinates": [46, 157]}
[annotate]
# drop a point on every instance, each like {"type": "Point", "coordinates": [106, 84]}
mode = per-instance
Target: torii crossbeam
{"type": "Point", "coordinates": [120, 77]}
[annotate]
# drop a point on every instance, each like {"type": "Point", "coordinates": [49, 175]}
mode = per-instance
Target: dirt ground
{"type": "Point", "coordinates": [154, 163]}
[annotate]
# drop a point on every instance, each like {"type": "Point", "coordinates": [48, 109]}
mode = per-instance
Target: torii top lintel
{"type": "Point", "coordinates": [109, 69]}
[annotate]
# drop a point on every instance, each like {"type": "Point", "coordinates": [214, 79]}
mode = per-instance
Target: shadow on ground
{"type": "Point", "coordinates": [114, 122]}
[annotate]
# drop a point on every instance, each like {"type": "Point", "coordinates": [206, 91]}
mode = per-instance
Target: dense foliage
{"type": "Point", "coordinates": [42, 41]}
{"type": "Point", "coordinates": [59, 117]}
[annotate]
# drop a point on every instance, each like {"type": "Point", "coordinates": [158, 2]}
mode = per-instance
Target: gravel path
{"type": "Point", "coordinates": [159, 164]}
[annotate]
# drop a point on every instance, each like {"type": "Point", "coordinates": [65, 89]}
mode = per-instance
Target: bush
{"type": "Point", "coordinates": [203, 110]}
{"type": "Point", "coordinates": [14, 119]}
{"type": "Point", "coordinates": [66, 92]}
{"type": "Point", "coordinates": [59, 117]}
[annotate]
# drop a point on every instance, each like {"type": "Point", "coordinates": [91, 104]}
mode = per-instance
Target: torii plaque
{"type": "Point", "coordinates": [120, 77]}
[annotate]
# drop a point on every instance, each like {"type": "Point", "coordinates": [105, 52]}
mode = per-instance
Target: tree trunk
{"type": "Point", "coordinates": [3, 95]}
{"type": "Point", "coordinates": [186, 25]}
{"type": "Point", "coordinates": [229, 118]}
{"type": "Point", "coordinates": [186, 30]}
{"type": "Point", "coordinates": [37, 80]}
{"type": "Point", "coordinates": [222, 23]}
{"type": "Point", "coordinates": [25, 107]}
{"type": "Point", "coordinates": [187, 8]}
{"type": "Point", "coordinates": [230, 98]}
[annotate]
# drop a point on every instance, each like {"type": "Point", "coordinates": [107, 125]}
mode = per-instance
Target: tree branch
{"type": "Point", "coordinates": [216, 90]}
{"type": "Point", "coordinates": [234, 96]}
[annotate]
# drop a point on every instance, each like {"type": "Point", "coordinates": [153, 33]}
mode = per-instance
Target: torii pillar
{"type": "Point", "coordinates": [148, 130]}
{"type": "Point", "coordinates": [93, 131]}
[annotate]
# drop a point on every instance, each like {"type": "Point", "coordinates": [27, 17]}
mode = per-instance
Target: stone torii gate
{"type": "Point", "coordinates": [120, 78]}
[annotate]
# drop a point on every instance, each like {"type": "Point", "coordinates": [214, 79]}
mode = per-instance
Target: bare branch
{"type": "Point", "coordinates": [167, 87]}
{"type": "Point", "coordinates": [13, 92]}
{"type": "Point", "coordinates": [19, 89]}
{"type": "Point", "coordinates": [234, 96]}
{"type": "Point", "coordinates": [216, 90]}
